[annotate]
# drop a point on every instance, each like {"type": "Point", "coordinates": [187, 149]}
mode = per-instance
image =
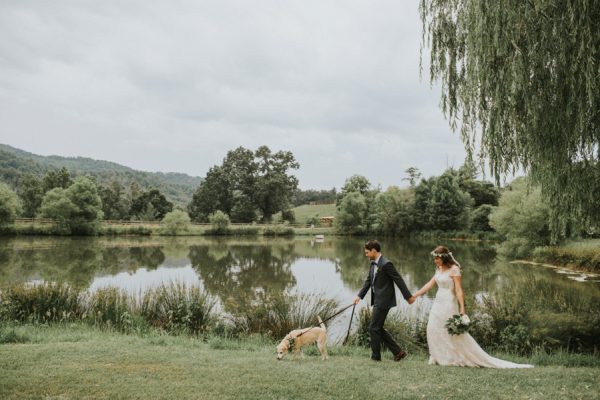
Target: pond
{"type": "Point", "coordinates": [238, 269]}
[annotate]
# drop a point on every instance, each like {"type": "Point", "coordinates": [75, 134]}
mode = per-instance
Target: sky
{"type": "Point", "coordinates": [171, 86]}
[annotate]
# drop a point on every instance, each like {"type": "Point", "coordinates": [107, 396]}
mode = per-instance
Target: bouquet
{"type": "Point", "coordinates": [458, 324]}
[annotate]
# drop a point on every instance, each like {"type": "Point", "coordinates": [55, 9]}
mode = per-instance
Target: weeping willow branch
{"type": "Point", "coordinates": [522, 79]}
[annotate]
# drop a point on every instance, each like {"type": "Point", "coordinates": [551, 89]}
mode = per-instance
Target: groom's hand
{"type": "Point", "coordinates": [411, 299]}
{"type": "Point", "coordinates": [356, 300]}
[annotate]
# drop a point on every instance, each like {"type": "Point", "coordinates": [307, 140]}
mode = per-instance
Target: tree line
{"type": "Point", "coordinates": [248, 186]}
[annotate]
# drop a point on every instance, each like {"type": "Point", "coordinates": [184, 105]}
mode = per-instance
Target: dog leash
{"type": "Point", "coordinates": [349, 325]}
{"type": "Point", "coordinates": [334, 315]}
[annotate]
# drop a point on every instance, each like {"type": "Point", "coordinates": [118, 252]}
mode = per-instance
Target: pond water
{"type": "Point", "coordinates": [237, 269]}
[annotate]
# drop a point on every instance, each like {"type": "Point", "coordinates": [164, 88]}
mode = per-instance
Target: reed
{"type": "Point", "coordinates": [177, 308]}
{"type": "Point", "coordinates": [39, 303]}
{"type": "Point", "coordinates": [278, 314]}
{"type": "Point", "coordinates": [583, 257]}
{"type": "Point", "coordinates": [409, 331]}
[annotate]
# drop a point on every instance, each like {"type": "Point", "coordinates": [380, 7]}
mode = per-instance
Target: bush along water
{"type": "Point", "coordinates": [514, 321]}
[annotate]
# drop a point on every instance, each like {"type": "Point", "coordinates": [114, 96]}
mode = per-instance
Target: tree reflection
{"type": "Point", "coordinates": [76, 261]}
{"type": "Point", "coordinates": [240, 274]}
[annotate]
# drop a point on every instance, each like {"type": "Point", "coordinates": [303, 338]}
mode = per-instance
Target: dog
{"type": "Point", "coordinates": [296, 339]}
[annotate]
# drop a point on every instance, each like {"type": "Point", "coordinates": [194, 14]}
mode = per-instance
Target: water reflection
{"type": "Point", "coordinates": [239, 271]}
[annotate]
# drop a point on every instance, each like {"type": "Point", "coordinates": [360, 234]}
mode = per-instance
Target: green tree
{"type": "Point", "coordinates": [350, 217]}
{"type": "Point", "coordinates": [440, 204]}
{"type": "Point", "coordinates": [154, 198]}
{"type": "Point", "coordinates": [175, 222]}
{"type": "Point", "coordinates": [10, 206]}
{"type": "Point", "coordinates": [522, 218]}
{"type": "Point", "coordinates": [394, 211]}
{"type": "Point", "coordinates": [521, 79]}
{"type": "Point", "coordinates": [87, 214]}
{"type": "Point", "coordinates": [78, 209]}
{"type": "Point", "coordinates": [115, 204]}
{"type": "Point", "coordinates": [57, 205]}
{"type": "Point", "coordinates": [413, 176]}
{"type": "Point", "coordinates": [274, 187]}
{"type": "Point", "coordinates": [448, 208]}
{"type": "Point", "coordinates": [361, 185]}
{"type": "Point", "coordinates": [480, 219]}
{"type": "Point", "coordinates": [31, 192]}
{"type": "Point", "coordinates": [57, 179]}
{"type": "Point", "coordinates": [356, 183]}
{"type": "Point", "coordinates": [213, 194]}
{"type": "Point", "coordinates": [246, 183]}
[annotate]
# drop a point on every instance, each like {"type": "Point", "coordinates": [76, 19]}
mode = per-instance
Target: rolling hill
{"type": "Point", "coordinates": [15, 163]}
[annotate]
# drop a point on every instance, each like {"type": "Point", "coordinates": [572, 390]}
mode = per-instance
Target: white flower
{"type": "Point", "coordinates": [465, 319]}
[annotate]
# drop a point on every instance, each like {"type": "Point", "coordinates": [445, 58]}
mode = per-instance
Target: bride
{"type": "Point", "coordinates": [446, 349]}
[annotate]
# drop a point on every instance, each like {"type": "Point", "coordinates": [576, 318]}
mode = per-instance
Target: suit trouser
{"type": "Point", "coordinates": [378, 334]}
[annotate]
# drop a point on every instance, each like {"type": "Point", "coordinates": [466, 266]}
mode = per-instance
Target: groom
{"type": "Point", "coordinates": [381, 279]}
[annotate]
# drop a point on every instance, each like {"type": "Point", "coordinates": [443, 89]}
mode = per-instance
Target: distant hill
{"type": "Point", "coordinates": [15, 163]}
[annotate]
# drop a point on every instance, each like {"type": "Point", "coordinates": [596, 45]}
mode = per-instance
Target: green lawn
{"type": "Point", "coordinates": [304, 212]}
{"type": "Point", "coordinates": [81, 362]}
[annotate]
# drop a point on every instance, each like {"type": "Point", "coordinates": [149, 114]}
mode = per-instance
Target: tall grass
{"type": "Point", "coordinates": [176, 308]}
{"type": "Point", "coordinates": [173, 308]}
{"type": "Point", "coordinates": [276, 315]}
{"type": "Point", "coordinates": [584, 257]}
{"type": "Point", "coordinates": [410, 332]}
{"type": "Point", "coordinates": [39, 303]}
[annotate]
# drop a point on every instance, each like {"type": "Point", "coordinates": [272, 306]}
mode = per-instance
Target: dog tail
{"type": "Point", "coordinates": [321, 323]}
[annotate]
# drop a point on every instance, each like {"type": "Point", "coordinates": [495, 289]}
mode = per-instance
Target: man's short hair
{"type": "Point", "coordinates": [373, 244]}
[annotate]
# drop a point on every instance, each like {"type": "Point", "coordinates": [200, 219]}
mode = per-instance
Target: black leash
{"type": "Point", "coordinates": [349, 325]}
{"type": "Point", "coordinates": [334, 315]}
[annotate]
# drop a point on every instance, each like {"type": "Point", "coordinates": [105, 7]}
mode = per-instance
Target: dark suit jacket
{"type": "Point", "coordinates": [383, 294]}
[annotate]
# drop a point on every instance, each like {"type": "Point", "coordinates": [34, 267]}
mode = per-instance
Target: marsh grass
{"type": "Point", "coordinates": [583, 256]}
{"type": "Point", "coordinates": [410, 332]}
{"type": "Point", "coordinates": [39, 303]}
{"type": "Point", "coordinates": [528, 318]}
{"type": "Point", "coordinates": [278, 314]}
{"type": "Point", "coordinates": [177, 308]}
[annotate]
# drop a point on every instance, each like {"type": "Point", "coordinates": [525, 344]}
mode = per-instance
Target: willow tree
{"type": "Point", "coordinates": [521, 82]}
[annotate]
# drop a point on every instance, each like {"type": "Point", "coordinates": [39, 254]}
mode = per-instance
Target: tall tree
{"type": "Point", "coordinates": [246, 183]}
{"type": "Point", "coordinates": [115, 203]}
{"type": "Point", "coordinates": [57, 179]}
{"type": "Point", "coordinates": [78, 208]}
{"type": "Point", "coordinates": [10, 206]}
{"type": "Point", "coordinates": [522, 79]}
{"type": "Point", "coordinates": [274, 188]}
{"type": "Point", "coordinates": [31, 192]}
{"type": "Point", "coordinates": [413, 175]}
{"type": "Point", "coordinates": [361, 185]}
{"type": "Point", "coordinates": [153, 198]}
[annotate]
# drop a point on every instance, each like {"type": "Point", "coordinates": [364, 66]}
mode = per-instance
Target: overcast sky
{"type": "Point", "coordinates": [173, 85]}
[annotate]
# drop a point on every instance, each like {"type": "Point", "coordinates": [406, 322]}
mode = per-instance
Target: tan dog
{"type": "Point", "coordinates": [296, 339]}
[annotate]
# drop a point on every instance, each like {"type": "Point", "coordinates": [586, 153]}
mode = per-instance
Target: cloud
{"type": "Point", "coordinates": [173, 86]}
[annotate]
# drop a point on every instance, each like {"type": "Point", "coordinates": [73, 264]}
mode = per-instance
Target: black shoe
{"type": "Point", "coordinates": [375, 359]}
{"type": "Point", "coordinates": [400, 355]}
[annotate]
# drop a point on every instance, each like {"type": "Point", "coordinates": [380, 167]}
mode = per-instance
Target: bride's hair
{"type": "Point", "coordinates": [447, 258]}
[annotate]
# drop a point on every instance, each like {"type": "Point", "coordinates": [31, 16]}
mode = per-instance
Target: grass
{"type": "Point", "coordinates": [75, 361]}
{"type": "Point", "coordinates": [304, 212]}
{"type": "Point", "coordinates": [582, 255]}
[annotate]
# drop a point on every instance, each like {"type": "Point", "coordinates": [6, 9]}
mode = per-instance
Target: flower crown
{"type": "Point", "coordinates": [434, 254]}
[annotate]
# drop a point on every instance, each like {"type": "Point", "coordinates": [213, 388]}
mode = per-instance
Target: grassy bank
{"type": "Point", "coordinates": [155, 229]}
{"type": "Point", "coordinates": [582, 255]}
{"type": "Point", "coordinates": [76, 361]}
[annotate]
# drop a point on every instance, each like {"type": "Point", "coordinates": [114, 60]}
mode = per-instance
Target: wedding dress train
{"type": "Point", "coordinates": [459, 350]}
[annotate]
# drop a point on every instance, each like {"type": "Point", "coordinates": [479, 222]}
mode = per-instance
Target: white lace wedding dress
{"type": "Point", "coordinates": [460, 350]}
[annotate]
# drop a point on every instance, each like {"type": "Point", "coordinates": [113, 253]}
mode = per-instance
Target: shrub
{"type": "Point", "coordinates": [219, 221]}
{"type": "Point", "coordinates": [175, 222]}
